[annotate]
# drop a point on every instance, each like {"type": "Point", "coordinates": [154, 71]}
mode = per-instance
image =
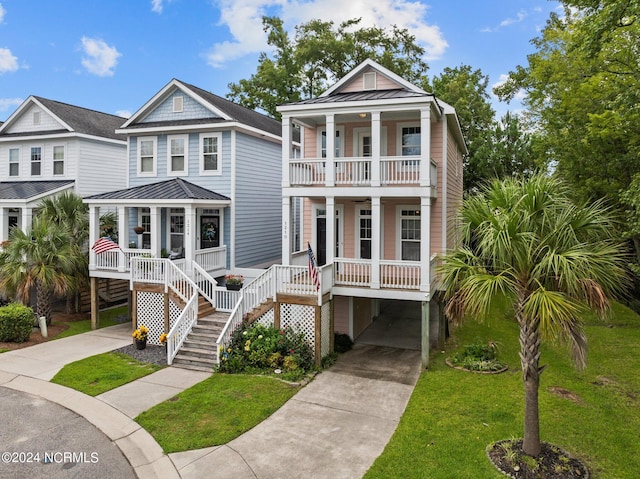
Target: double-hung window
{"type": "Point", "coordinates": [14, 161]}
{"type": "Point", "coordinates": [36, 160]}
{"type": "Point", "coordinates": [410, 234]}
{"type": "Point", "coordinates": [58, 160]}
{"type": "Point", "coordinates": [409, 145]}
{"type": "Point", "coordinates": [211, 154]}
{"type": "Point", "coordinates": [177, 146]}
{"type": "Point", "coordinates": [147, 153]}
{"type": "Point", "coordinates": [364, 233]}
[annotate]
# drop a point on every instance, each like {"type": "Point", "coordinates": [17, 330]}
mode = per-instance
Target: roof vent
{"type": "Point", "coordinates": [369, 81]}
{"type": "Point", "coordinates": [178, 104]}
{"type": "Point", "coordinates": [36, 117]}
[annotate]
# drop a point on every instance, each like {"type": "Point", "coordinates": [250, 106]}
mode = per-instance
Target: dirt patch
{"type": "Point", "coordinates": [59, 324]}
{"type": "Point", "coordinates": [563, 393]}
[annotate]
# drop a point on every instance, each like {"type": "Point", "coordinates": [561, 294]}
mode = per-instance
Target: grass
{"type": "Point", "coordinates": [214, 411]}
{"type": "Point", "coordinates": [592, 414]}
{"type": "Point", "coordinates": [2, 350]}
{"type": "Point", "coordinates": [103, 372]}
{"type": "Point", "coordinates": [78, 327]}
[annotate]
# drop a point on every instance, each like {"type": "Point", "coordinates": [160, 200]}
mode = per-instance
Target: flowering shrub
{"type": "Point", "coordinates": [163, 338]}
{"type": "Point", "coordinates": [265, 349]}
{"type": "Point", "coordinates": [141, 333]}
{"type": "Point", "coordinates": [233, 279]}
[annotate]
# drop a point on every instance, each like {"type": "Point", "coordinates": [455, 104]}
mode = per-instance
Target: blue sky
{"type": "Point", "coordinates": [114, 55]}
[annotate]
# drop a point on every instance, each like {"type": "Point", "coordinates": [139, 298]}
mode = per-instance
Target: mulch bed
{"type": "Point", "coordinates": [58, 325]}
{"type": "Point", "coordinates": [150, 354]}
{"type": "Point", "coordinates": [552, 463]}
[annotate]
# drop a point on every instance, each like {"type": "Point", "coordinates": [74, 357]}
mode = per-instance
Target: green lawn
{"type": "Point", "coordinates": [103, 372]}
{"type": "Point", "coordinates": [214, 411]}
{"type": "Point", "coordinates": [593, 414]}
{"type": "Point", "coordinates": [106, 319]}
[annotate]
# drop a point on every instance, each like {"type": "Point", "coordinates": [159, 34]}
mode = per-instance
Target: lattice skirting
{"type": "Point", "coordinates": [325, 328]}
{"type": "Point", "coordinates": [267, 318]}
{"type": "Point", "coordinates": [150, 312]}
{"type": "Point", "coordinates": [300, 318]}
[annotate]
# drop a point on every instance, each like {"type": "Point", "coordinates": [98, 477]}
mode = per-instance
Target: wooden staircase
{"type": "Point", "coordinates": [199, 351]}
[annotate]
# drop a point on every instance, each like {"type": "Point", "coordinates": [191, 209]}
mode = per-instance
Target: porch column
{"type": "Point", "coordinates": [375, 148]}
{"type": "Point", "coordinates": [425, 244]}
{"type": "Point", "coordinates": [155, 213]}
{"type": "Point", "coordinates": [190, 225]}
{"type": "Point", "coordinates": [286, 231]}
{"type": "Point", "coordinates": [330, 167]}
{"type": "Point", "coordinates": [375, 242]}
{"type": "Point", "coordinates": [425, 146]}
{"type": "Point", "coordinates": [331, 229]}
{"type": "Point", "coordinates": [425, 335]}
{"type": "Point", "coordinates": [27, 218]}
{"type": "Point", "coordinates": [123, 236]}
{"type": "Point", "coordinates": [94, 233]}
{"type": "Point", "coordinates": [286, 151]}
{"type": "Point", "coordinates": [4, 226]}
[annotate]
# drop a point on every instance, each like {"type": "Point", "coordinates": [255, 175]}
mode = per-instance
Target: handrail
{"type": "Point", "coordinates": [182, 328]}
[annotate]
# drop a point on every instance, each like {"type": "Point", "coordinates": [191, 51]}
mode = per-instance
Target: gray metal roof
{"type": "Point", "coordinates": [174, 189]}
{"type": "Point", "coordinates": [23, 190]}
{"type": "Point", "coordinates": [372, 95]}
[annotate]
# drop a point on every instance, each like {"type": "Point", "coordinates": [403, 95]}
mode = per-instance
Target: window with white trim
{"type": "Point", "coordinates": [14, 161]}
{"type": "Point", "coordinates": [339, 144]}
{"type": "Point", "coordinates": [36, 160]}
{"type": "Point", "coordinates": [211, 153]}
{"type": "Point", "coordinates": [147, 154]}
{"type": "Point", "coordinates": [177, 148]}
{"type": "Point", "coordinates": [364, 233]}
{"type": "Point", "coordinates": [409, 144]}
{"type": "Point", "coordinates": [176, 230]}
{"type": "Point", "coordinates": [410, 234]}
{"type": "Point", "coordinates": [58, 160]}
{"type": "Point", "coordinates": [145, 222]}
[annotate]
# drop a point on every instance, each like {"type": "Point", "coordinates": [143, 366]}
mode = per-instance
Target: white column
{"type": "Point", "coordinates": [189, 238]}
{"type": "Point", "coordinates": [123, 235]}
{"type": "Point", "coordinates": [375, 242]}
{"type": "Point", "coordinates": [425, 243]}
{"type": "Point", "coordinates": [331, 229]}
{"type": "Point", "coordinates": [286, 151]}
{"type": "Point", "coordinates": [156, 235]}
{"type": "Point", "coordinates": [330, 167]}
{"type": "Point", "coordinates": [27, 219]}
{"type": "Point", "coordinates": [425, 147]}
{"type": "Point", "coordinates": [94, 233]}
{"type": "Point", "coordinates": [4, 226]}
{"type": "Point", "coordinates": [286, 231]}
{"type": "Point", "coordinates": [375, 148]}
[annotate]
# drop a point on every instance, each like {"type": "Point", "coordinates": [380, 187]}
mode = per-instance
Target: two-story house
{"type": "Point", "coordinates": [48, 147]}
{"type": "Point", "coordinates": [380, 178]}
{"type": "Point", "coordinates": [203, 188]}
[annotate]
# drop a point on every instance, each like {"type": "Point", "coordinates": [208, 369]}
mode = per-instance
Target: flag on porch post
{"type": "Point", "coordinates": [313, 270]}
{"type": "Point", "coordinates": [104, 244]}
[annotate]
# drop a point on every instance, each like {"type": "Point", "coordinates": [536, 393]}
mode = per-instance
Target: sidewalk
{"type": "Point", "coordinates": [335, 427]}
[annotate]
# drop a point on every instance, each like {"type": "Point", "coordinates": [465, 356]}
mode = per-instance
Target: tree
{"type": "Point", "coordinates": [44, 258]}
{"type": "Point", "coordinates": [466, 90]}
{"type": "Point", "coordinates": [320, 54]}
{"type": "Point", "coordinates": [552, 259]}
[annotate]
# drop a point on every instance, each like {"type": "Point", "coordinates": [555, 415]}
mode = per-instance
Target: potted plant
{"type": "Point", "coordinates": [138, 230]}
{"type": "Point", "coordinates": [233, 282]}
{"type": "Point", "coordinates": [140, 336]}
{"type": "Point", "coordinates": [163, 339]}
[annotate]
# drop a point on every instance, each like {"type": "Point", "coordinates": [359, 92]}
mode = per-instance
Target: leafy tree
{"type": "Point", "coordinates": [552, 259]}
{"type": "Point", "coordinates": [45, 258]}
{"type": "Point", "coordinates": [320, 54]}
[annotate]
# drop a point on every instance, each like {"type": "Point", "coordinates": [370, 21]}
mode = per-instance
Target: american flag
{"type": "Point", "coordinates": [313, 270]}
{"type": "Point", "coordinates": [104, 244]}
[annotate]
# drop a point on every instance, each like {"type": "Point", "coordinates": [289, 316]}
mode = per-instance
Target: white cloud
{"type": "Point", "coordinates": [100, 58]}
{"type": "Point", "coordinates": [156, 6]}
{"type": "Point", "coordinates": [520, 17]}
{"type": "Point", "coordinates": [8, 63]}
{"type": "Point", "coordinates": [124, 113]}
{"type": "Point", "coordinates": [244, 20]}
{"type": "Point", "coordinates": [2, 13]}
{"type": "Point", "coordinates": [7, 103]}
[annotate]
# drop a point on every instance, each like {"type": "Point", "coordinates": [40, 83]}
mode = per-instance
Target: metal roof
{"type": "Point", "coordinates": [23, 190]}
{"type": "Point", "coordinates": [372, 95]}
{"type": "Point", "coordinates": [174, 189]}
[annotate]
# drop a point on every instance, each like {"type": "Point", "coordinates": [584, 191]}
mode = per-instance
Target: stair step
{"type": "Point", "coordinates": [192, 367]}
{"type": "Point", "coordinates": [201, 342]}
{"type": "Point", "coordinates": [192, 361]}
{"type": "Point", "coordinates": [195, 352]}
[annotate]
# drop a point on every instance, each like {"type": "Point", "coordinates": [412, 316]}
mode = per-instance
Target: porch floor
{"type": "Point", "coordinates": [397, 326]}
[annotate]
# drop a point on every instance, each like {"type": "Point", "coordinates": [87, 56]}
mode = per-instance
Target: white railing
{"type": "Point", "coordinates": [400, 170]}
{"type": "Point", "coordinates": [211, 259]}
{"type": "Point", "coordinates": [294, 280]}
{"type": "Point", "coordinates": [399, 274]}
{"type": "Point", "coordinates": [434, 174]}
{"type": "Point", "coordinates": [176, 280]}
{"type": "Point", "coordinates": [148, 270]}
{"type": "Point", "coordinates": [352, 272]}
{"type": "Point", "coordinates": [182, 328]}
{"type": "Point", "coordinates": [310, 171]}
{"type": "Point", "coordinates": [116, 259]}
{"type": "Point", "coordinates": [433, 279]}
{"type": "Point", "coordinates": [353, 171]}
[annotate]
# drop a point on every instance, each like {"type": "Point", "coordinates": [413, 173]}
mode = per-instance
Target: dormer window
{"type": "Point", "coordinates": [369, 81]}
{"type": "Point", "coordinates": [178, 104]}
{"type": "Point", "coordinates": [36, 117]}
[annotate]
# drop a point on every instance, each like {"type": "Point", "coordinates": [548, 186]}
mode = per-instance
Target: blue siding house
{"type": "Point", "coordinates": [204, 179]}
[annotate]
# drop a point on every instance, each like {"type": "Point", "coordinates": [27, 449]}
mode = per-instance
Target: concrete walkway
{"type": "Point", "coordinates": [335, 427]}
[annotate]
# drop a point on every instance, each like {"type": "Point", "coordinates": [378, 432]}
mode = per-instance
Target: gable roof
{"type": "Point", "coordinates": [223, 110]}
{"type": "Point", "coordinates": [71, 118]}
{"type": "Point", "coordinates": [23, 190]}
{"type": "Point", "coordinates": [174, 189]}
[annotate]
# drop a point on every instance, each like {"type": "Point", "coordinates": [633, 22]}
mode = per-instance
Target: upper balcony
{"type": "Point", "coordinates": [362, 171]}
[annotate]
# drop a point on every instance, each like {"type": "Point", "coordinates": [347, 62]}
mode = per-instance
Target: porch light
{"type": "Point", "coordinates": [362, 115]}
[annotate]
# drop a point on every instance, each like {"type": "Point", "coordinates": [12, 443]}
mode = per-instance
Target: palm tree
{"type": "Point", "coordinates": [525, 240]}
{"type": "Point", "coordinates": [45, 258]}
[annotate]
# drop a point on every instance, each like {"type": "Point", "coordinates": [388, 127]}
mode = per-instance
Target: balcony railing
{"type": "Point", "coordinates": [355, 171]}
{"type": "Point", "coordinates": [393, 274]}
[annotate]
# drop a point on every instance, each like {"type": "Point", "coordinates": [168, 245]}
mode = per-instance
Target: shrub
{"type": "Point", "coordinates": [262, 349]}
{"type": "Point", "coordinates": [478, 357]}
{"type": "Point", "coordinates": [342, 343]}
{"type": "Point", "coordinates": [16, 323]}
